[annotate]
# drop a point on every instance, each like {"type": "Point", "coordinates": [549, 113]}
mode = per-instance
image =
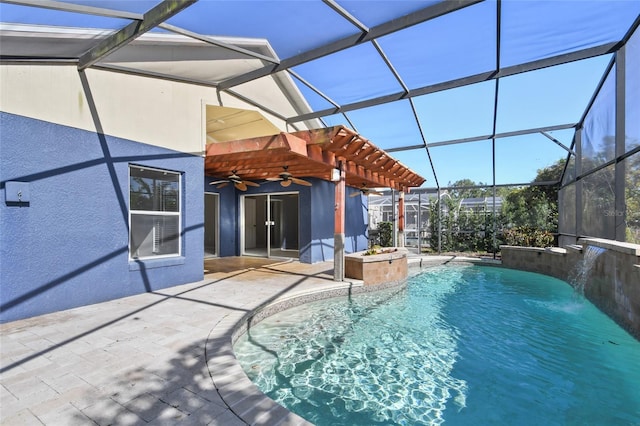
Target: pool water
{"type": "Point", "coordinates": [460, 345]}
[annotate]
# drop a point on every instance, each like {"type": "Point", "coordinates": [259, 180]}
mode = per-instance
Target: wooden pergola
{"type": "Point", "coordinates": [335, 154]}
{"type": "Point", "coordinates": [311, 153]}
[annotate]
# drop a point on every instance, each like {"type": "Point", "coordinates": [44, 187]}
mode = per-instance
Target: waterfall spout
{"type": "Point", "coordinates": [579, 276]}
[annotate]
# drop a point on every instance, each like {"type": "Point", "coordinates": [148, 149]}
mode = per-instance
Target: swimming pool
{"type": "Point", "coordinates": [459, 345]}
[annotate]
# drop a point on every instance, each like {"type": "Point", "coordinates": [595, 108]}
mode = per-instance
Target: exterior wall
{"type": "Point", "coordinates": [356, 222]}
{"type": "Point", "coordinates": [70, 136]}
{"type": "Point", "coordinates": [321, 222]}
{"type": "Point", "coordinates": [316, 219]}
{"type": "Point", "coordinates": [613, 285]}
{"type": "Point", "coordinates": [228, 229]}
{"type": "Point", "coordinates": [69, 245]}
{"type": "Point", "coordinates": [148, 110]}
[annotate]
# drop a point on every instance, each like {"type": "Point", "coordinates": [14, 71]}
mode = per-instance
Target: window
{"type": "Point", "coordinates": [154, 213]}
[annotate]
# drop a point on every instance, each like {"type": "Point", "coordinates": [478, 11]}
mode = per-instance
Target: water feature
{"type": "Point", "coordinates": [460, 345]}
{"type": "Point", "coordinates": [580, 274]}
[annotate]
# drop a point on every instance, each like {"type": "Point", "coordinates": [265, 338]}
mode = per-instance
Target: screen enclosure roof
{"type": "Point", "coordinates": [488, 91]}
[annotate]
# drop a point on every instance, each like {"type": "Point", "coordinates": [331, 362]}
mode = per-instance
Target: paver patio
{"type": "Point", "coordinates": [163, 357]}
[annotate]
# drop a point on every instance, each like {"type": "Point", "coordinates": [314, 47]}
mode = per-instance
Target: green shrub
{"type": "Point", "coordinates": [527, 237]}
{"type": "Point", "coordinates": [385, 234]}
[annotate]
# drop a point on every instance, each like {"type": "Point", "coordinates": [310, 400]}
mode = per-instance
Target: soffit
{"type": "Point", "coordinates": [228, 124]}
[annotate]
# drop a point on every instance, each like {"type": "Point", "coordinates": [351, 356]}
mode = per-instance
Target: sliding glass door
{"type": "Point", "coordinates": [270, 225]}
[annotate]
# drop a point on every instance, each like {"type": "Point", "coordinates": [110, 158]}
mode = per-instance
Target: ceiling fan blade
{"type": "Point", "coordinates": [218, 182]}
{"type": "Point", "coordinates": [274, 179]}
{"type": "Point", "coordinates": [249, 183]}
{"type": "Point", "coordinates": [222, 184]}
{"type": "Point", "coordinates": [285, 183]}
{"type": "Point", "coordinates": [301, 181]}
{"type": "Point", "coordinates": [240, 186]}
{"type": "Point", "coordinates": [355, 194]}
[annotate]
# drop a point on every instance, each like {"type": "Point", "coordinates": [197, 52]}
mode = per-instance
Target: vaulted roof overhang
{"type": "Point", "coordinates": [311, 153]}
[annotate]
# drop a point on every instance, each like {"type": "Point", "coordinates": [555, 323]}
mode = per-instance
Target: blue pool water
{"type": "Point", "coordinates": [461, 345]}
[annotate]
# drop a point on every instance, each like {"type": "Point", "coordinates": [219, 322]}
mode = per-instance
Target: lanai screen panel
{"type": "Point", "coordinates": [423, 167]}
{"type": "Point", "coordinates": [291, 27]}
{"type": "Point", "coordinates": [632, 141]}
{"type": "Point", "coordinates": [476, 163]}
{"type": "Point", "coordinates": [374, 12]}
{"type": "Point", "coordinates": [458, 113]}
{"type": "Point", "coordinates": [599, 130]}
{"type": "Point", "coordinates": [394, 125]}
{"type": "Point", "coordinates": [446, 48]}
{"type": "Point", "coordinates": [19, 14]}
{"type": "Point", "coordinates": [527, 154]}
{"type": "Point", "coordinates": [550, 96]}
{"type": "Point", "coordinates": [632, 198]}
{"type": "Point", "coordinates": [632, 87]}
{"type": "Point", "coordinates": [351, 75]}
{"type": "Point", "coordinates": [534, 30]}
{"type": "Point", "coordinates": [447, 63]}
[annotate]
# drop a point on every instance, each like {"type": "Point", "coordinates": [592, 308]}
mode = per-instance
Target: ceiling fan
{"type": "Point", "coordinates": [365, 191]}
{"type": "Point", "coordinates": [238, 182]}
{"type": "Point", "coordinates": [287, 178]}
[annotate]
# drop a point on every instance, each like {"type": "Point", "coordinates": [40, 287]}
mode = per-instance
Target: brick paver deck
{"type": "Point", "coordinates": [163, 357]}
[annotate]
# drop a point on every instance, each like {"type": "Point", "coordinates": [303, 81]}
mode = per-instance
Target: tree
{"type": "Point", "coordinates": [524, 208]}
{"type": "Point", "coordinates": [632, 198]}
{"type": "Point", "coordinates": [465, 188]}
{"type": "Point", "coordinates": [529, 214]}
{"type": "Point", "coordinates": [535, 207]}
{"type": "Point", "coordinates": [552, 173]}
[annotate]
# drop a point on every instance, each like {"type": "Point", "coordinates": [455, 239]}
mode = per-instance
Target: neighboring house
{"type": "Point", "coordinates": [105, 173]}
{"type": "Point", "coordinates": [384, 208]}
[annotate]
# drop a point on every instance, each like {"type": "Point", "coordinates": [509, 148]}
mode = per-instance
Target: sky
{"type": "Point", "coordinates": [446, 48]}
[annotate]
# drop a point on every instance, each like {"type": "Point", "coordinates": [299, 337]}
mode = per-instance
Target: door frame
{"type": "Point", "coordinates": [268, 221]}
{"type": "Point", "coordinates": [216, 225]}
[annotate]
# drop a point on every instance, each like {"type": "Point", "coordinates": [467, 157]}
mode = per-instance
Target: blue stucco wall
{"type": "Point", "coordinates": [356, 222]}
{"type": "Point", "coordinates": [229, 234]}
{"type": "Point", "coordinates": [320, 219]}
{"type": "Point", "coordinates": [316, 216]}
{"type": "Point", "coordinates": [68, 246]}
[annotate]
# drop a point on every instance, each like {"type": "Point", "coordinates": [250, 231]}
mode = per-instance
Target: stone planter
{"type": "Point", "coordinates": [387, 267]}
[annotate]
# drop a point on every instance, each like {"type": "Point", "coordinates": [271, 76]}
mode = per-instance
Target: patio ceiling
{"type": "Point", "coordinates": [310, 153]}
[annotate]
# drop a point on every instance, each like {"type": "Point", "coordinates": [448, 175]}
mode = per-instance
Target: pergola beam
{"type": "Point", "coordinates": [150, 20]}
